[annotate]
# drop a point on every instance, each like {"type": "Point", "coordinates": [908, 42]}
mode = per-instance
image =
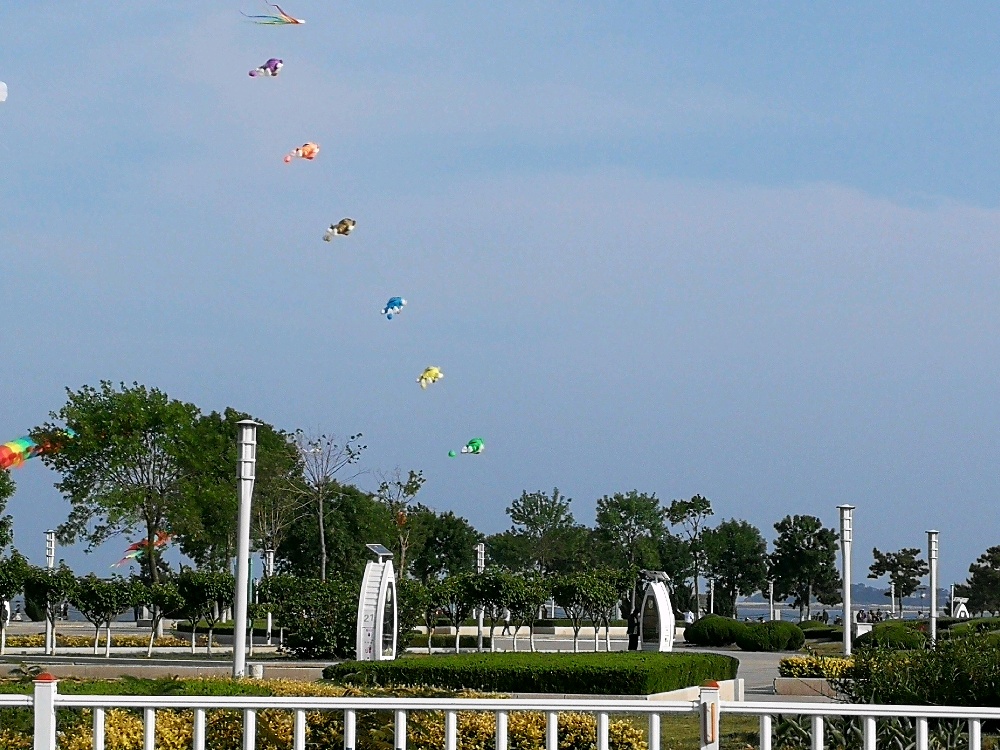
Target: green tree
{"type": "Point", "coordinates": [736, 557]}
{"type": "Point", "coordinates": [49, 589]}
{"type": "Point", "coordinates": [629, 525]}
{"type": "Point", "coordinates": [124, 467]}
{"type": "Point", "coordinates": [14, 571]}
{"type": "Point", "coordinates": [676, 561]}
{"type": "Point", "coordinates": [352, 519]}
{"type": "Point", "coordinates": [6, 522]}
{"type": "Point", "coordinates": [494, 587]}
{"type": "Point", "coordinates": [529, 591]}
{"type": "Point", "coordinates": [396, 494]}
{"type": "Point", "coordinates": [804, 561]}
{"type": "Point", "coordinates": [206, 596]}
{"type": "Point", "coordinates": [445, 544]}
{"type": "Point", "coordinates": [458, 596]}
{"type": "Point", "coordinates": [691, 516]}
{"type": "Point", "coordinates": [570, 593]}
{"type": "Point", "coordinates": [600, 597]}
{"type": "Point", "coordinates": [203, 520]}
{"type": "Point", "coordinates": [101, 601]}
{"type": "Point", "coordinates": [320, 616]}
{"type": "Point", "coordinates": [982, 587]}
{"type": "Point", "coordinates": [164, 600]}
{"type": "Point", "coordinates": [905, 569]}
{"type": "Point", "coordinates": [554, 541]}
{"type": "Point", "coordinates": [323, 458]}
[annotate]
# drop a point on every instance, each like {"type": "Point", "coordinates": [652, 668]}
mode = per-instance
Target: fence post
{"type": "Point", "coordinates": [45, 711]}
{"type": "Point", "coordinates": [708, 700]}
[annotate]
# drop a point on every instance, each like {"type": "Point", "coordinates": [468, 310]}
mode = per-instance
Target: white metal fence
{"type": "Point", "coordinates": [46, 700]}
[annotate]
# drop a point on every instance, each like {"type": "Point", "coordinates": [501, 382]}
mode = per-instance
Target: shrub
{"type": "Point", "coordinates": [979, 625]}
{"type": "Point", "coordinates": [713, 630]}
{"type": "Point", "coordinates": [961, 671]}
{"type": "Point", "coordinates": [807, 625]}
{"type": "Point", "coordinates": [776, 635]}
{"type": "Point", "coordinates": [630, 673]}
{"type": "Point", "coordinates": [814, 666]}
{"type": "Point", "coordinates": [824, 632]}
{"type": "Point", "coordinates": [892, 635]}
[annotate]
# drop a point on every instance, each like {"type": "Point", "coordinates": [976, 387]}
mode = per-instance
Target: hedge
{"type": "Point", "coordinates": [618, 673]}
{"type": "Point", "coordinates": [713, 630]}
{"type": "Point", "coordinates": [815, 666]}
{"type": "Point", "coordinates": [892, 635]}
{"type": "Point", "coordinates": [776, 635]}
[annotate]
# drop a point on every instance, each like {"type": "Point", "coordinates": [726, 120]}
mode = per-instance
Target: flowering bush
{"type": "Point", "coordinates": [814, 666]}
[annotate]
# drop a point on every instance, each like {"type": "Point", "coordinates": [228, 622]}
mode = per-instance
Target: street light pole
{"type": "Point", "coordinates": [770, 599]}
{"type": "Point", "coordinates": [846, 538]}
{"type": "Point", "coordinates": [269, 571]}
{"type": "Point", "coordinates": [480, 567]}
{"type": "Point", "coordinates": [892, 599]}
{"type": "Point", "coordinates": [932, 559]}
{"type": "Point", "coordinates": [50, 563]}
{"type": "Point", "coordinates": [245, 476]}
{"type": "Point", "coordinates": [711, 596]}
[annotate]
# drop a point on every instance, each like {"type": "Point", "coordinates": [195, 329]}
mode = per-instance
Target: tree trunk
{"type": "Point", "coordinates": [458, 637]}
{"type": "Point", "coordinates": [107, 643]}
{"type": "Point", "coordinates": [209, 651]}
{"type": "Point", "coordinates": [3, 637]}
{"type": "Point", "coordinates": [97, 637]}
{"type": "Point", "coordinates": [193, 630]}
{"type": "Point", "coordinates": [322, 541]}
{"type": "Point", "coordinates": [149, 649]}
{"type": "Point", "coordinates": [576, 640]}
{"type": "Point", "coordinates": [493, 647]}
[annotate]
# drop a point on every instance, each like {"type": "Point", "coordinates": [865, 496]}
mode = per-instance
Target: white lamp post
{"type": "Point", "coordinates": [50, 563]}
{"type": "Point", "coordinates": [480, 567]}
{"type": "Point", "coordinates": [269, 571]}
{"type": "Point", "coordinates": [770, 599]}
{"type": "Point", "coordinates": [846, 538]}
{"type": "Point", "coordinates": [711, 596]}
{"type": "Point", "coordinates": [932, 559]}
{"type": "Point", "coordinates": [245, 476]}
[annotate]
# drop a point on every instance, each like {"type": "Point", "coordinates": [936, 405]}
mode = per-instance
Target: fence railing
{"type": "Point", "coordinates": [46, 700]}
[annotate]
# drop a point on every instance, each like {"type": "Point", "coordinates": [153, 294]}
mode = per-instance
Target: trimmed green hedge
{"type": "Point", "coordinates": [776, 635]}
{"type": "Point", "coordinates": [713, 630]}
{"type": "Point", "coordinates": [617, 673]}
{"type": "Point", "coordinates": [892, 635]}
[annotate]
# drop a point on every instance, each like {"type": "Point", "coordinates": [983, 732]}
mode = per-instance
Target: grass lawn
{"type": "Point", "coordinates": [683, 732]}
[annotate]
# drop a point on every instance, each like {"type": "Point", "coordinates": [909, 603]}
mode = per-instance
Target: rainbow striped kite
{"type": "Point", "coordinates": [16, 452]}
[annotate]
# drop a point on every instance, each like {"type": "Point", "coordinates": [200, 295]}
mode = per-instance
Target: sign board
{"type": "Point", "coordinates": [656, 619]}
{"type": "Point", "coordinates": [376, 633]}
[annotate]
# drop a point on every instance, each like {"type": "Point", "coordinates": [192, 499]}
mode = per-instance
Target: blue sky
{"type": "Point", "coordinates": [744, 252]}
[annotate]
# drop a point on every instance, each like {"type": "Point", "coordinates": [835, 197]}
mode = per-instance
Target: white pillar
{"type": "Point", "coordinates": [951, 601]}
{"type": "Point", "coordinates": [932, 560]}
{"type": "Point", "coordinates": [892, 598]}
{"type": "Point", "coordinates": [245, 475]}
{"type": "Point", "coordinates": [50, 564]}
{"type": "Point", "coordinates": [269, 571]}
{"type": "Point", "coordinates": [846, 538]}
{"type": "Point", "coordinates": [480, 567]}
{"type": "Point", "coordinates": [46, 689]}
{"type": "Point", "coordinates": [770, 599]}
{"type": "Point", "coordinates": [711, 596]}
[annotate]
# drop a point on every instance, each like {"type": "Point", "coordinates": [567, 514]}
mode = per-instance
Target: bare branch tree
{"type": "Point", "coordinates": [323, 458]}
{"type": "Point", "coordinates": [396, 493]}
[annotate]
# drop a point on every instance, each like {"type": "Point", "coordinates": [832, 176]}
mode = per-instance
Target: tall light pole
{"type": "Point", "coordinates": [711, 596]}
{"type": "Point", "coordinates": [892, 600]}
{"type": "Point", "coordinates": [269, 571]}
{"type": "Point", "coordinates": [846, 538]}
{"type": "Point", "coordinates": [770, 599]}
{"type": "Point", "coordinates": [50, 563]}
{"type": "Point", "coordinates": [245, 476]}
{"type": "Point", "coordinates": [480, 567]}
{"type": "Point", "coordinates": [932, 559]}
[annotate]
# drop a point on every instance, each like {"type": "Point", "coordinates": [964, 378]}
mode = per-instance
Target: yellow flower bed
{"type": "Point", "coordinates": [425, 730]}
{"type": "Point", "coordinates": [37, 640]}
{"type": "Point", "coordinates": [830, 667]}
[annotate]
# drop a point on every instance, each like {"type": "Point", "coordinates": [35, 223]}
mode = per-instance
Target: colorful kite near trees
{"type": "Point", "coordinates": [16, 452]}
{"type": "Point", "coordinates": [137, 550]}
